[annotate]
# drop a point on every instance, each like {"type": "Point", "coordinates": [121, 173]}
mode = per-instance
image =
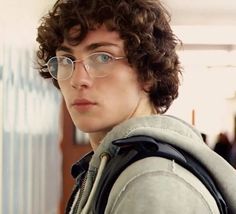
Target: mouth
{"type": "Point", "coordinates": [83, 104]}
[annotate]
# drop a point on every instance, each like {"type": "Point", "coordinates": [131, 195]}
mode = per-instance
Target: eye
{"type": "Point", "coordinates": [102, 57]}
{"type": "Point", "coordinates": [64, 60]}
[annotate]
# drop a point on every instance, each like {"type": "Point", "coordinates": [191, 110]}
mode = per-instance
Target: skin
{"type": "Point", "coordinates": [96, 105]}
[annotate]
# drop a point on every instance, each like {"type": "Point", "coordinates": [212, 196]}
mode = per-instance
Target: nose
{"type": "Point", "coordinates": [80, 76]}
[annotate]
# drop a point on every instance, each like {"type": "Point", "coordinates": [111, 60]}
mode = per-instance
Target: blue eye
{"type": "Point", "coordinates": [102, 58]}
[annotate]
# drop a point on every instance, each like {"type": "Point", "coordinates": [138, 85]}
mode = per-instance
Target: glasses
{"type": "Point", "coordinates": [97, 64]}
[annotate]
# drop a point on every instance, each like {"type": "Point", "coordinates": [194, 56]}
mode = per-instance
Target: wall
{"type": "Point", "coordinates": [30, 156]}
{"type": "Point", "coordinates": [30, 151]}
{"type": "Point", "coordinates": [208, 87]}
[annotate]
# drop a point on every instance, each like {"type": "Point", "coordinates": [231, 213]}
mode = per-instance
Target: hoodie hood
{"type": "Point", "coordinates": [177, 133]}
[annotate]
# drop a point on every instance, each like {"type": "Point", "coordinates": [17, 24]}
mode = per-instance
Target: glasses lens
{"type": "Point", "coordinates": [60, 67]}
{"type": "Point", "coordinates": [99, 64]}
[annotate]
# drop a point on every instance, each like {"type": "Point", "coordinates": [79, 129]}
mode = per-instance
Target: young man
{"type": "Point", "coordinates": [116, 66]}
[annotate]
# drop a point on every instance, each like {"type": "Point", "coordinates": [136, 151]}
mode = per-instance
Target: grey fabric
{"type": "Point", "coordinates": [180, 134]}
{"type": "Point", "coordinates": [157, 185]}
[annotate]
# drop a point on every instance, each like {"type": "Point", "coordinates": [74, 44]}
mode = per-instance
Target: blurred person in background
{"type": "Point", "coordinates": [116, 66]}
{"type": "Point", "coordinates": [232, 159]}
{"type": "Point", "coordinates": [223, 146]}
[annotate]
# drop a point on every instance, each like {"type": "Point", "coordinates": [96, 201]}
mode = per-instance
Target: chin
{"type": "Point", "coordinates": [92, 127]}
{"type": "Point", "coordinates": [86, 127]}
{"type": "Point", "coordinates": [83, 128]}
{"type": "Point", "coordinates": [83, 124]}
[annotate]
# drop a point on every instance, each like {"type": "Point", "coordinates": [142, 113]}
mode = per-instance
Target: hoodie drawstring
{"type": "Point", "coordinates": [104, 159]}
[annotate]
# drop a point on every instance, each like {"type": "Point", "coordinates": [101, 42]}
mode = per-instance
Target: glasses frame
{"type": "Point", "coordinates": [81, 60]}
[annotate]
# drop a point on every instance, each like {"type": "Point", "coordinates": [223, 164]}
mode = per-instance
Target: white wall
{"type": "Point", "coordinates": [1, 126]}
{"type": "Point", "coordinates": [19, 19]}
{"type": "Point", "coordinates": [30, 166]}
{"type": "Point", "coordinates": [208, 87]}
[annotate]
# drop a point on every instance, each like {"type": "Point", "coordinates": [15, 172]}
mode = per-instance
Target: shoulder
{"type": "Point", "coordinates": [158, 184]}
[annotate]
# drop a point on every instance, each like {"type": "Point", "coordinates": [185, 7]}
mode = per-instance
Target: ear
{"type": "Point", "coordinates": [146, 86]}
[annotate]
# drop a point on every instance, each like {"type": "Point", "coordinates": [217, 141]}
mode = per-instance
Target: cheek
{"type": "Point", "coordinates": [122, 92]}
{"type": "Point", "coordinates": [60, 84]}
{"type": "Point", "coordinates": [63, 87]}
{"type": "Point", "coordinates": [64, 91]}
{"type": "Point", "coordinates": [127, 84]}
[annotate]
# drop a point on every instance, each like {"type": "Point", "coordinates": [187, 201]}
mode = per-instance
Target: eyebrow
{"type": "Point", "coordinates": [94, 46]}
{"type": "Point", "coordinates": [90, 47]}
{"type": "Point", "coordinates": [64, 48]}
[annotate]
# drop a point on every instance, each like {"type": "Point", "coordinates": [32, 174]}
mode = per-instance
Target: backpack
{"type": "Point", "coordinates": [135, 148]}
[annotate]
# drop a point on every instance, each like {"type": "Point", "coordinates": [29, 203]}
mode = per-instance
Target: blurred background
{"type": "Point", "coordinates": [38, 142]}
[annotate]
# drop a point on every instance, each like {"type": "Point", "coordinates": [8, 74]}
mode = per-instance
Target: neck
{"type": "Point", "coordinates": [143, 108]}
{"type": "Point", "coordinates": [96, 138]}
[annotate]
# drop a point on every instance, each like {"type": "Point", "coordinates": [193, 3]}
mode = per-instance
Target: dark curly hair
{"type": "Point", "coordinates": [149, 42]}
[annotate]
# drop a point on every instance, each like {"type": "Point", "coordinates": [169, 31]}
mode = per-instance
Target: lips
{"type": "Point", "coordinates": [83, 104]}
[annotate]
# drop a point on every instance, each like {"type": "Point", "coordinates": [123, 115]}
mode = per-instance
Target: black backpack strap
{"type": "Point", "coordinates": [204, 176]}
{"type": "Point", "coordinates": [138, 147]}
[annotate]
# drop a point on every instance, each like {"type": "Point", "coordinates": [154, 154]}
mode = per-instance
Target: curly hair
{"type": "Point", "coordinates": [143, 25]}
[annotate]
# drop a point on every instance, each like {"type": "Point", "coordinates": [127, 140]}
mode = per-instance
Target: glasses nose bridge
{"type": "Point", "coordinates": [77, 61]}
{"type": "Point", "coordinates": [82, 61]}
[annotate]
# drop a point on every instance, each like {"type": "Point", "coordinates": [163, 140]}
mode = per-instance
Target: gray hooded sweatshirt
{"type": "Point", "coordinates": [154, 184]}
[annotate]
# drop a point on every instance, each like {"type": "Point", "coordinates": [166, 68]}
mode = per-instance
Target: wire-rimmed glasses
{"type": "Point", "coordinates": [98, 64]}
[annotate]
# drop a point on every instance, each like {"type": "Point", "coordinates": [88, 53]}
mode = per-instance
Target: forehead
{"type": "Point", "coordinates": [98, 36]}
